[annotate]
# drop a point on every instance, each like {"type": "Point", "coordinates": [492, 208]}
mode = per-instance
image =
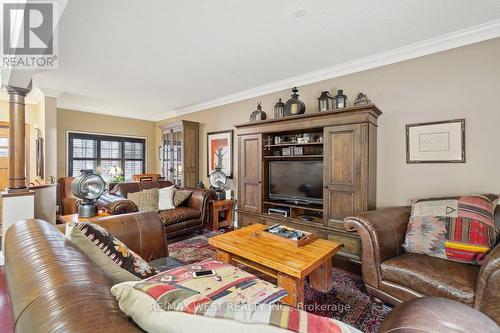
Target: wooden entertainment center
{"type": "Point", "coordinates": [344, 140]}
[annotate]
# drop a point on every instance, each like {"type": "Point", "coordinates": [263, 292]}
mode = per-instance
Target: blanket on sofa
{"type": "Point", "coordinates": [231, 294]}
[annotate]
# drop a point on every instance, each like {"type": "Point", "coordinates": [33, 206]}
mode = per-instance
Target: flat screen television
{"type": "Point", "coordinates": [296, 181]}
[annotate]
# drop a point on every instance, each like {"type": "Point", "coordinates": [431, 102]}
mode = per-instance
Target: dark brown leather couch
{"type": "Point", "coordinates": [395, 276]}
{"type": "Point", "coordinates": [53, 287]}
{"type": "Point", "coordinates": [192, 216]}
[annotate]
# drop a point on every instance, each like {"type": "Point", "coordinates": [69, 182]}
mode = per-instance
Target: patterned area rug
{"type": "Point", "coordinates": [348, 301]}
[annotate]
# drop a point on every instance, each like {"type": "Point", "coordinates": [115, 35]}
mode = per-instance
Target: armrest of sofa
{"type": "Point", "coordinates": [115, 204]}
{"type": "Point", "coordinates": [200, 199]}
{"type": "Point", "coordinates": [142, 232]}
{"type": "Point", "coordinates": [382, 233]}
{"type": "Point", "coordinates": [436, 315]}
{"type": "Point", "coordinates": [487, 299]}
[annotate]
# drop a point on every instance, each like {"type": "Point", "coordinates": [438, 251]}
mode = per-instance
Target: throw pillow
{"type": "Point", "coordinates": [146, 200]}
{"type": "Point", "coordinates": [166, 198]}
{"type": "Point", "coordinates": [455, 228]}
{"type": "Point", "coordinates": [180, 196]}
{"type": "Point", "coordinates": [110, 254]}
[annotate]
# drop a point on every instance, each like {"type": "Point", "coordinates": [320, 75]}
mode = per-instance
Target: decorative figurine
{"type": "Point", "coordinates": [258, 114]}
{"type": "Point", "coordinates": [294, 106]}
{"type": "Point", "coordinates": [362, 99]}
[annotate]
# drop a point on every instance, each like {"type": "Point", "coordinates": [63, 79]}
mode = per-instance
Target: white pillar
{"type": "Point", "coordinates": [16, 207]}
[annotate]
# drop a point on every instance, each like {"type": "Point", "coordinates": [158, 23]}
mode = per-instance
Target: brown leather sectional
{"type": "Point", "coordinates": [395, 276]}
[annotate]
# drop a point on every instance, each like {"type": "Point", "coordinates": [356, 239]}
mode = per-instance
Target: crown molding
{"type": "Point", "coordinates": [475, 34]}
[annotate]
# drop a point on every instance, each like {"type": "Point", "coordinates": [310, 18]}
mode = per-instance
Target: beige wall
{"type": "Point", "coordinates": [70, 120]}
{"type": "Point", "coordinates": [459, 83]}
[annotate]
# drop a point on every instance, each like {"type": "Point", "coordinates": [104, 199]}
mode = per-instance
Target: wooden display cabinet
{"type": "Point", "coordinates": [179, 153]}
{"type": "Point", "coordinates": [348, 150]}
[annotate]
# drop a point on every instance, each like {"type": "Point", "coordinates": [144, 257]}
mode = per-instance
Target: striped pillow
{"type": "Point", "coordinates": [455, 228]}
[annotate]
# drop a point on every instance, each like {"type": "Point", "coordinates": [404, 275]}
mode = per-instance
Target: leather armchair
{"type": "Point", "coordinates": [394, 276]}
{"type": "Point", "coordinates": [67, 202]}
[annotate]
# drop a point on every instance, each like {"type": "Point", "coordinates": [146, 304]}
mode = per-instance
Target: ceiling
{"type": "Point", "coordinates": [157, 58]}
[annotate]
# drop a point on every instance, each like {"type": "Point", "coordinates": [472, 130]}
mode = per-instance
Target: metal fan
{"type": "Point", "coordinates": [88, 187]}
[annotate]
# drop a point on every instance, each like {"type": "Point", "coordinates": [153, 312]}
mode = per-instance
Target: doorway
{"type": "Point", "coordinates": [4, 154]}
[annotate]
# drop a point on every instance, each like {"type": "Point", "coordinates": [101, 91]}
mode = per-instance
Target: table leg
{"type": "Point", "coordinates": [224, 256]}
{"type": "Point", "coordinates": [321, 278]}
{"type": "Point", "coordinates": [294, 287]}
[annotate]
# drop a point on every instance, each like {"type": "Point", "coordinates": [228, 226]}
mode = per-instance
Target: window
{"type": "Point", "coordinates": [4, 147]}
{"type": "Point", "coordinates": [100, 152]}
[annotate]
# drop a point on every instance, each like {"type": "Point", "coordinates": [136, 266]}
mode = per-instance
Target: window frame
{"type": "Point", "coordinates": [99, 138]}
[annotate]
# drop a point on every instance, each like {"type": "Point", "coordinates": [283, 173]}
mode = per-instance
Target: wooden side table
{"type": "Point", "coordinates": [221, 214]}
{"type": "Point", "coordinates": [74, 217]}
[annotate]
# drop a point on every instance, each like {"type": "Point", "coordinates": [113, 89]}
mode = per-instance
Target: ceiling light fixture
{"type": "Point", "coordinates": [300, 12]}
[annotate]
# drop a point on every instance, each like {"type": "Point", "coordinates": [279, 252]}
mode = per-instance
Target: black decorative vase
{"type": "Point", "coordinates": [294, 106]}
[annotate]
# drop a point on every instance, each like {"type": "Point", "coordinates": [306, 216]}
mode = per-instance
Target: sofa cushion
{"type": "Point", "coordinates": [166, 198]}
{"type": "Point", "coordinates": [432, 276]}
{"type": "Point", "coordinates": [454, 228]}
{"type": "Point", "coordinates": [146, 200]}
{"type": "Point", "coordinates": [180, 196]}
{"type": "Point", "coordinates": [180, 214]}
{"type": "Point", "coordinates": [110, 254]}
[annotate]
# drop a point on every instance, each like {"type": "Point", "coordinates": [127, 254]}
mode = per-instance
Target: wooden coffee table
{"type": "Point", "coordinates": [290, 265]}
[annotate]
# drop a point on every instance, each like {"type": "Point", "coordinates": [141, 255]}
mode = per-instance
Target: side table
{"type": "Point", "coordinates": [75, 218]}
{"type": "Point", "coordinates": [221, 214]}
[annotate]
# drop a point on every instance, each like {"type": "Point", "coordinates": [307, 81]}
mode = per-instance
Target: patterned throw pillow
{"type": "Point", "coordinates": [180, 196]}
{"type": "Point", "coordinates": [110, 254]}
{"type": "Point", "coordinates": [455, 228]}
{"type": "Point", "coordinates": [146, 200]}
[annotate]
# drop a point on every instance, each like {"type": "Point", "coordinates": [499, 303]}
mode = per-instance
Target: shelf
{"type": "Point", "coordinates": [295, 144]}
{"type": "Point", "coordinates": [270, 157]}
{"type": "Point", "coordinates": [284, 204]}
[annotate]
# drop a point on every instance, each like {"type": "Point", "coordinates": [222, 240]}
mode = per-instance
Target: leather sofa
{"type": "Point", "coordinates": [53, 287]}
{"type": "Point", "coordinates": [192, 216]}
{"type": "Point", "coordinates": [394, 276]}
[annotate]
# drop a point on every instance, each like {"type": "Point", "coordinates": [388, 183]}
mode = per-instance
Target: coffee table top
{"type": "Point", "coordinates": [280, 256]}
{"type": "Point", "coordinates": [75, 218]}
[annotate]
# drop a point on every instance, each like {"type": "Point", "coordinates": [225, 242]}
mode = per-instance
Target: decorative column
{"type": "Point", "coordinates": [17, 139]}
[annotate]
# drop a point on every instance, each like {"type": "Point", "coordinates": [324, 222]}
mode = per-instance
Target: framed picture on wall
{"type": "Point", "coordinates": [436, 142]}
{"type": "Point", "coordinates": [220, 143]}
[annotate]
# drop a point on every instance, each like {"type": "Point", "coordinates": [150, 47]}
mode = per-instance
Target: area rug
{"type": "Point", "coordinates": [348, 301]}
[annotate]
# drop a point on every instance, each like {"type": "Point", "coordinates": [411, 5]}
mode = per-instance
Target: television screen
{"type": "Point", "coordinates": [296, 181]}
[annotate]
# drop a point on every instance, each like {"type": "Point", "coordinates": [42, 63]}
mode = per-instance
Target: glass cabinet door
{"type": "Point", "coordinates": [172, 156]}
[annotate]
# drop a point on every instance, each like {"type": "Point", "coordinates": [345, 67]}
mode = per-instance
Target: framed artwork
{"type": "Point", "coordinates": [437, 142]}
{"type": "Point", "coordinates": [220, 144]}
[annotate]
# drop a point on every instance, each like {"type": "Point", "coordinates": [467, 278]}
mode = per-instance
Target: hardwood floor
{"type": "Point", "coordinates": [5, 312]}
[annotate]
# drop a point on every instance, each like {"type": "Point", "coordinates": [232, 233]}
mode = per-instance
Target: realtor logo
{"type": "Point", "coordinates": [28, 39]}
